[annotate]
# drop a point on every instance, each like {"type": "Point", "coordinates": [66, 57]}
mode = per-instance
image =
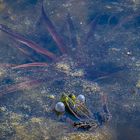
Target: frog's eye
{"type": "Point", "coordinates": [81, 98]}
{"type": "Point", "coordinates": [60, 107]}
{"type": "Point", "coordinates": [72, 96]}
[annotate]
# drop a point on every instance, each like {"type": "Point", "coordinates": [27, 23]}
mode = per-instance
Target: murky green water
{"type": "Point", "coordinates": [102, 56]}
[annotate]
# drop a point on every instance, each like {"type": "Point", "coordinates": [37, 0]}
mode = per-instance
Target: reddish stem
{"type": "Point", "coordinates": [53, 32]}
{"type": "Point", "coordinates": [27, 42]}
{"type": "Point", "coordinates": [34, 64]}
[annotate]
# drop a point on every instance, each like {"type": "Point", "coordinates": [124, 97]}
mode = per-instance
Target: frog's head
{"type": "Point", "coordinates": [72, 96]}
{"type": "Point", "coordinates": [64, 98]}
{"type": "Point", "coordinates": [68, 101]}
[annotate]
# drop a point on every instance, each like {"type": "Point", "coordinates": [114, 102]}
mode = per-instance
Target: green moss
{"type": "Point", "coordinates": [2, 5]}
{"type": "Point", "coordinates": [23, 133]}
{"type": "Point", "coordinates": [102, 135]}
{"type": "Point", "coordinates": [30, 130]}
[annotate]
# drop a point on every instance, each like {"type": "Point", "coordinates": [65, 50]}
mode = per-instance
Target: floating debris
{"type": "Point", "coordinates": [138, 84]}
{"type": "Point", "coordinates": [51, 96]}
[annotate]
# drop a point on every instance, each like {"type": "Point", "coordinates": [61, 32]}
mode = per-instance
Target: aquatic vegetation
{"type": "Point", "coordinates": [64, 51]}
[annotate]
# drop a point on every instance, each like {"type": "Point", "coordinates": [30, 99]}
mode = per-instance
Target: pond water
{"type": "Point", "coordinates": [86, 47]}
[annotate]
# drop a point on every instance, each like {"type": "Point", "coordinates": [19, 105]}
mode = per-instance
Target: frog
{"type": "Point", "coordinates": [74, 110]}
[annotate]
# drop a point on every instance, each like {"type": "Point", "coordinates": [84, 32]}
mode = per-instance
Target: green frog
{"type": "Point", "coordinates": [74, 110]}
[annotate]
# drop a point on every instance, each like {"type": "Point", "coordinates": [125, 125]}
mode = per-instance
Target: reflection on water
{"type": "Point", "coordinates": [102, 41]}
